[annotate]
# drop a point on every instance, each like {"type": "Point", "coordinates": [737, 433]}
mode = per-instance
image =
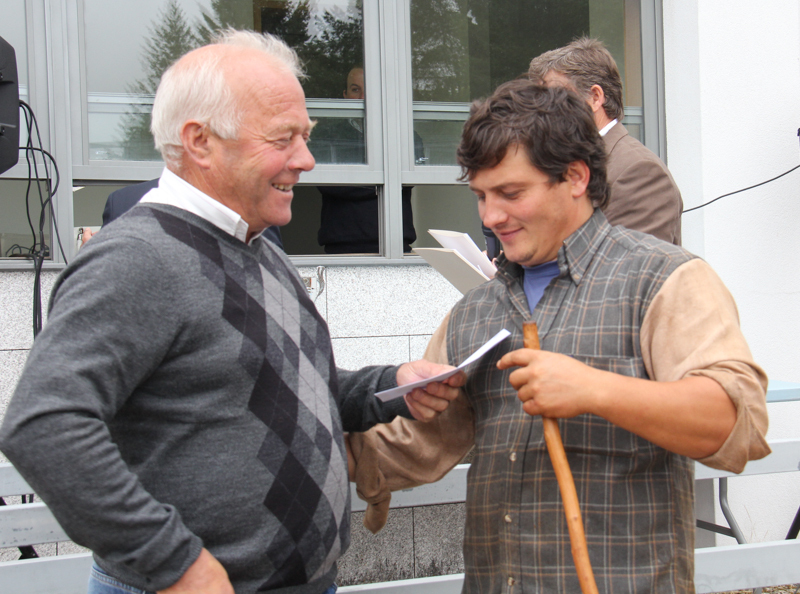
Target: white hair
{"type": "Point", "coordinates": [197, 90]}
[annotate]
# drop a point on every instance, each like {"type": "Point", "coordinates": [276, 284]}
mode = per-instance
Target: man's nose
{"type": "Point", "coordinates": [491, 214]}
{"type": "Point", "coordinates": [303, 159]}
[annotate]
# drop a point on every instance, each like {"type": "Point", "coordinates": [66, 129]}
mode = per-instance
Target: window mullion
{"type": "Point", "coordinates": [394, 29]}
{"type": "Point", "coordinates": [654, 127]}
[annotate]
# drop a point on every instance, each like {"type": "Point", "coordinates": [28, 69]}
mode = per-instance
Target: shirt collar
{"type": "Point", "coordinates": [175, 191]}
{"type": "Point", "coordinates": [579, 248]}
{"type": "Point", "coordinates": [608, 127]}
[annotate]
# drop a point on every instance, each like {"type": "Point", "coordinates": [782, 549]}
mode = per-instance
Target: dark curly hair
{"type": "Point", "coordinates": [553, 125]}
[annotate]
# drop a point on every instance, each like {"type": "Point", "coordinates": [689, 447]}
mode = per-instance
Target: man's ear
{"type": "Point", "coordinates": [597, 98]}
{"type": "Point", "coordinates": [578, 177]}
{"type": "Point", "coordinates": [196, 140]}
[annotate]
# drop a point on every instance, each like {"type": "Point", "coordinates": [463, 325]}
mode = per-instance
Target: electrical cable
{"type": "Point", "coordinates": [51, 192]}
{"type": "Point", "coordinates": [742, 190]}
{"type": "Point", "coordinates": [745, 189]}
{"type": "Point", "coordinates": [39, 251]}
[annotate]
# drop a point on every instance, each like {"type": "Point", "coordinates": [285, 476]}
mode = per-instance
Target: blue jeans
{"type": "Point", "coordinates": [102, 583]}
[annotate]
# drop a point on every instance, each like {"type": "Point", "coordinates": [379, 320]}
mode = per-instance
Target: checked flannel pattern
{"type": "Point", "coordinates": [636, 499]}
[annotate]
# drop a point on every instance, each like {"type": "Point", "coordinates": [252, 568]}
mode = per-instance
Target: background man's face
{"type": "Point", "coordinates": [355, 84]}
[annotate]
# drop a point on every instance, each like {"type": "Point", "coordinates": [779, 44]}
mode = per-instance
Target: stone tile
{"type": "Point", "coordinates": [386, 556]}
{"type": "Point", "coordinates": [438, 539]}
{"type": "Point", "coordinates": [11, 364]}
{"type": "Point", "coordinates": [9, 555]}
{"type": "Point", "coordinates": [46, 550]}
{"type": "Point", "coordinates": [417, 345]}
{"type": "Point", "coordinates": [355, 353]}
{"type": "Point", "coordinates": [386, 300]}
{"type": "Point", "coordinates": [16, 307]}
{"type": "Point", "coordinates": [70, 548]}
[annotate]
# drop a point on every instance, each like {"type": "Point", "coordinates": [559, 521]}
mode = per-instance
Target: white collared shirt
{"type": "Point", "coordinates": [608, 127]}
{"type": "Point", "coordinates": [175, 191]}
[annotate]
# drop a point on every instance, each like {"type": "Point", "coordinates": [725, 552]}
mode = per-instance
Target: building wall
{"type": "Point", "coordinates": [732, 80]}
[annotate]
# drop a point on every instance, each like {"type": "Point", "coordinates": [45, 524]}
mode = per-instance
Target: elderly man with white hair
{"type": "Point", "coordinates": [181, 412]}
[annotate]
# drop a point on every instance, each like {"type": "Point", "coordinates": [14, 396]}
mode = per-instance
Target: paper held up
{"type": "Point", "coordinates": [392, 393]}
{"type": "Point", "coordinates": [459, 260]}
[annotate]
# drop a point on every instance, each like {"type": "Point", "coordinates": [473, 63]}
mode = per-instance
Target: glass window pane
{"type": "Point", "coordinates": [22, 229]}
{"type": "Point", "coordinates": [449, 207]}
{"type": "Point", "coordinates": [124, 64]}
{"type": "Point", "coordinates": [13, 30]}
{"type": "Point", "coordinates": [463, 49]}
{"type": "Point", "coordinates": [337, 219]}
{"type": "Point", "coordinates": [328, 35]}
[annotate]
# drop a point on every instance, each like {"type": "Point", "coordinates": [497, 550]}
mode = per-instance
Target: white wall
{"type": "Point", "coordinates": [732, 71]}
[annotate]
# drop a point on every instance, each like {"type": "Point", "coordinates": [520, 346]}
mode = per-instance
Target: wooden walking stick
{"type": "Point", "coordinates": [566, 484]}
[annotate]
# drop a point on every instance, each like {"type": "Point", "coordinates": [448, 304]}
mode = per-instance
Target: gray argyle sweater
{"type": "Point", "coordinates": [183, 393]}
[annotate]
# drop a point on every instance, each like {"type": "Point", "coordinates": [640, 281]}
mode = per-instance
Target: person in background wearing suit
{"type": "Point", "coordinates": [349, 222]}
{"type": "Point", "coordinates": [122, 200]}
{"type": "Point", "coordinates": [644, 197]}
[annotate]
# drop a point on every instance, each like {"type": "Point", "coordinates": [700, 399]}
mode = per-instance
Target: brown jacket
{"type": "Point", "coordinates": [644, 196]}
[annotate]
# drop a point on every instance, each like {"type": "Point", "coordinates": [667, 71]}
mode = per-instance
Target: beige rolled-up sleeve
{"type": "Point", "coordinates": [406, 453]}
{"type": "Point", "coordinates": [692, 329]}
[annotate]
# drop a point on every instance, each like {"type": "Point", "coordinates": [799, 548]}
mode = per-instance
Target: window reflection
{"type": "Point", "coordinates": [124, 64]}
{"type": "Point", "coordinates": [21, 206]}
{"type": "Point", "coordinates": [339, 136]}
{"type": "Point", "coordinates": [451, 207]}
{"type": "Point", "coordinates": [463, 49]}
{"type": "Point", "coordinates": [335, 219]}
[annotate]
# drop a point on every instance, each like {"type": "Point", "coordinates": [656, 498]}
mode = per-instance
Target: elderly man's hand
{"type": "Point", "coordinates": [426, 403]}
{"type": "Point", "coordinates": [205, 576]}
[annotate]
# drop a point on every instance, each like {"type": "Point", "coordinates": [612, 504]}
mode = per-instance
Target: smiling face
{"type": "Point", "coordinates": [530, 215]}
{"type": "Point", "coordinates": [255, 173]}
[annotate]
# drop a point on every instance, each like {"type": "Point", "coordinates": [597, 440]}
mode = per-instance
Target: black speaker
{"type": "Point", "coordinates": [9, 107]}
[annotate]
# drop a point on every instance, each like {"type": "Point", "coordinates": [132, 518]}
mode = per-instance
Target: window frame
{"type": "Point", "coordinates": [57, 91]}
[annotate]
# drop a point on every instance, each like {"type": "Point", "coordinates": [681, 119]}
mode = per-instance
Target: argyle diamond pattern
{"type": "Point", "coordinates": [294, 394]}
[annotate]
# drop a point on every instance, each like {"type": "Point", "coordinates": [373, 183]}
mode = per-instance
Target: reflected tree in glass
{"type": "Point", "coordinates": [335, 49]}
{"type": "Point", "coordinates": [224, 14]}
{"type": "Point", "coordinates": [329, 42]}
{"type": "Point", "coordinates": [463, 49]}
{"type": "Point", "coordinates": [170, 36]}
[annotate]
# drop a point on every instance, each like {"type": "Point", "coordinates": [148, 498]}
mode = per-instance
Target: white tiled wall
{"type": "Point", "coordinates": [381, 314]}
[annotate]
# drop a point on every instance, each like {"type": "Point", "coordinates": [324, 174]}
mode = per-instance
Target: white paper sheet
{"type": "Point", "coordinates": [463, 244]}
{"type": "Point", "coordinates": [401, 390]}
